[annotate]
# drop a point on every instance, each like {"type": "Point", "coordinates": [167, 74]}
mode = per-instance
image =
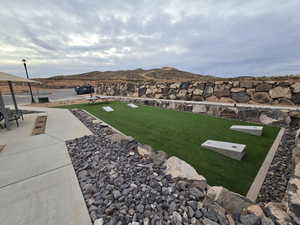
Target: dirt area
{"type": "Point", "coordinates": [22, 89]}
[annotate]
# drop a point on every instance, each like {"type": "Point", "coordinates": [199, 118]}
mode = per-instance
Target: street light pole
{"type": "Point", "coordinates": [32, 99]}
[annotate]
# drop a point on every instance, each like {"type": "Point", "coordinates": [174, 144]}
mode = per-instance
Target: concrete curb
{"type": "Point", "coordinates": [114, 129]}
{"type": "Point", "coordinates": [261, 175]}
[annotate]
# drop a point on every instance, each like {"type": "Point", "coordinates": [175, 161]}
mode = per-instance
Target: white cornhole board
{"type": "Point", "coordinates": [107, 108]}
{"type": "Point", "coordinates": [132, 105]}
{"type": "Point", "coordinates": [231, 150]}
{"type": "Point", "coordinates": [255, 130]}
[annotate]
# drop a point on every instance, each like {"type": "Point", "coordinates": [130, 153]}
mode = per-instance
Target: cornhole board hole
{"type": "Point", "coordinates": [107, 109]}
{"type": "Point", "coordinates": [132, 106]}
{"type": "Point", "coordinates": [231, 150]}
{"type": "Point", "coordinates": [255, 130]}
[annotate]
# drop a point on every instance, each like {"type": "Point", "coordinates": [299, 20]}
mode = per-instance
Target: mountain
{"type": "Point", "coordinates": [161, 74]}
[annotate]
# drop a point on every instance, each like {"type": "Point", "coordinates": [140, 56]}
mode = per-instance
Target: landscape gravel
{"type": "Point", "coordinates": [280, 171]}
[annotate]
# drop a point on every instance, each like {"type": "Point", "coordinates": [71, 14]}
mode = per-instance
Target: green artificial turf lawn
{"type": "Point", "coordinates": [181, 134]}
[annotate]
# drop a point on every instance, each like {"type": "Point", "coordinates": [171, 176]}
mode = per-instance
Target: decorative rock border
{"type": "Point", "coordinates": [124, 182]}
{"type": "Point", "coordinates": [284, 92]}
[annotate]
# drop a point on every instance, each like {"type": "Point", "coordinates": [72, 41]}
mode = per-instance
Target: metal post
{"type": "Point", "coordinates": [13, 96]}
{"type": "Point", "coordinates": [32, 99]}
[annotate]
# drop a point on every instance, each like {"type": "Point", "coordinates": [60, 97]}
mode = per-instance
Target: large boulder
{"type": "Point", "coordinates": [212, 99]}
{"type": "Point", "coordinates": [179, 168]}
{"type": "Point", "coordinates": [240, 96]}
{"type": "Point", "coordinates": [235, 84]}
{"type": "Point", "coordinates": [277, 211]}
{"type": "Point", "coordinates": [232, 202]}
{"type": "Point", "coordinates": [142, 91]}
{"type": "Point", "coordinates": [145, 150]}
{"type": "Point", "coordinates": [296, 98]}
{"type": "Point", "coordinates": [182, 94]}
{"type": "Point", "coordinates": [236, 90]}
{"type": "Point", "coordinates": [246, 84]}
{"type": "Point", "coordinates": [283, 101]}
{"type": "Point", "coordinates": [175, 85]}
{"type": "Point", "coordinates": [293, 197]}
{"type": "Point", "coordinates": [263, 87]}
{"type": "Point", "coordinates": [197, 92]}
{"type": "Point", "coordinates": [280, 92]}
{"type": "Point", "coordinates": [222, 93]}
{"type": "Point", "coordinates": [197, 98]}
{"type": "Point", "coordinates": [226, 100]}
{"type": "Point", "coordinates": [261, 97]}
{"type": "Point", "coordinates": [199, 109]}
{"type": "Point", "coordinates": [256, 210]}
{"type": "Point", "coordinates": [208, 91]}
{"type": "Point", "coordinates": [222, 90]}
{"type": "Point", "coordinates": [184, 85]}
{"type": "Point", "coordinates": [296, 87]}
{"type": "Point", "coordinates": [119, 138]}
{"type": "Point", "coordinates": [159, 158]}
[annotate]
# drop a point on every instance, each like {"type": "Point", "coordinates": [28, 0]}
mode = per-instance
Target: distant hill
{"type": "Point", "coordinates": [161, 74]}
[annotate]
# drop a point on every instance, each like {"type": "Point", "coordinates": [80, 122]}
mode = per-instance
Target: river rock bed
{"type": "Point", "coordinates": [280, 171]}
{"type": "Point", "coordinates": [121, 187]}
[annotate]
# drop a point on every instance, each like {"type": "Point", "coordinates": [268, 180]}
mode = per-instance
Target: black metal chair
{"type": "Point", "coordinates": [14, 115]}
{"type": "Point", "coordinates": [1, 119]}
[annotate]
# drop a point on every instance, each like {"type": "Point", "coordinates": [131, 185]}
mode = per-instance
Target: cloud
{"type": "Point", "coordinates": [226, 38]}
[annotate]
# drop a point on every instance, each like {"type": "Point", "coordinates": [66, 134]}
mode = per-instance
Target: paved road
{"type": "Point", "coordinates": [53, 94]}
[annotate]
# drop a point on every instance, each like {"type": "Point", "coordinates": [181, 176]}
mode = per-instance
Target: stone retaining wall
{"type": "Point", "coordinates": [248, 91]}
{"type": "Point", "coordinates": [270, 115]}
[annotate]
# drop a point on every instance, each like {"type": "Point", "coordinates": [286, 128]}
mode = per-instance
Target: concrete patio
{"type": "Point", "coordinates": [38, 184]}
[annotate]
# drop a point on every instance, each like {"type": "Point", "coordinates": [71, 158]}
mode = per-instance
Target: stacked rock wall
{"type": "Point", "coordinates": [247, 91]}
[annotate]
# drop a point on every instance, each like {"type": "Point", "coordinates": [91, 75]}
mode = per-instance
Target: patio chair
{"type": "Point", "coordinates": [1, 119]}
{"type": "Point", "coordinates": [14, 115]}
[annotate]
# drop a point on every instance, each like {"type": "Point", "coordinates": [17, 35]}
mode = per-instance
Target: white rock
{"type": "Point", "coordinates": [179, 168]}
{"type": "Point", "coordinates": [280, 92]}
{"type": "Point", "coordinates": [97, 121]}
{"type": "Point", "coordinates": [255, 130]}
{"type": "Point", "coordinates": [231, 150]}
{"type": "Point", "coordinates": [144, 150]}
{"type": "Point", "coordinates": [278, 212]}
{"type": "Point", "coordinates": [264, 119]}
{"type": "Point", "coordinates": [98, 221]}
{"type": "Point", "coordinates": [296, 87]}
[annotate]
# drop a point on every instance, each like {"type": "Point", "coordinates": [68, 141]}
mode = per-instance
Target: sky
{"type": "Point", "coordinates": [215, 37]}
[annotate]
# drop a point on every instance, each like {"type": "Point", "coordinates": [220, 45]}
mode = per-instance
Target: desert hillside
{"type": "Point", "coordinates": [163, 74]}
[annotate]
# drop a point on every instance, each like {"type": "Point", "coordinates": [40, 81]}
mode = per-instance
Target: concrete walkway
{"type": "Point", "coordinates": [38, 184]}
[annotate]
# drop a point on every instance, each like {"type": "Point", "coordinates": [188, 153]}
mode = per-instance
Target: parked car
{"type": "Point", "coordinates": [88, 89]}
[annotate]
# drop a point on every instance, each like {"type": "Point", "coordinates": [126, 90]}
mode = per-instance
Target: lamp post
{"type": "Point", "coordinates": [32, 99]}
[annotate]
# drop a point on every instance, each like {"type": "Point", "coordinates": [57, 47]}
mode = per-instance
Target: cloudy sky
{"type": "Point", "coordinates": [217, 37]}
